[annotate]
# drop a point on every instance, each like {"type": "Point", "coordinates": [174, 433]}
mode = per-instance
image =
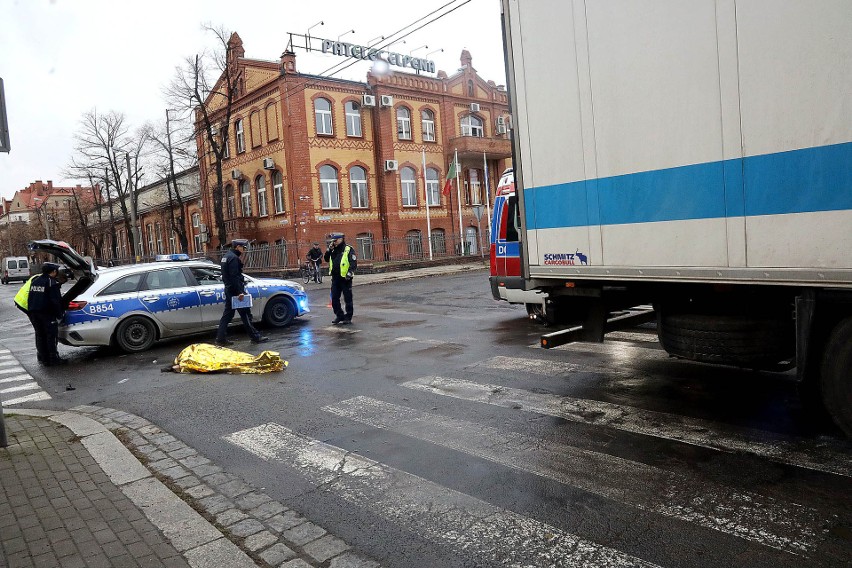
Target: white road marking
{"type": "Point", "coordinates": [746, 515]}
{"type": "Point", "coordinates": [416, 340]}
{"type": "Point", "coordinates": [827, 456]}
{"type": "Point", "coordinates": [27, 386]}
{"type": "Point", "coordinates": [6, 361]}
{"type": "Point", "coordinates": [18, 369]}
{"type": "Point", "coordinates": [465, 523]}
{"type": "Point", "coordinates": [34, 397]}
{"type": "Point", "coordinates": [15, 379]}
{"type": "Point", "coordinates": [633, 336]}
{"type": "Point", "coordinates": [621, 350]}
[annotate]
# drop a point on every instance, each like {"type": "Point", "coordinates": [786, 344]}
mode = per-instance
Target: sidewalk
{"type": "Point", "coordinates": [72, 494]}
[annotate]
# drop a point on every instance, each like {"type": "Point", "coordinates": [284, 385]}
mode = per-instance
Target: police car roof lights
{"type": "Point", "coordinates": [171, 257]}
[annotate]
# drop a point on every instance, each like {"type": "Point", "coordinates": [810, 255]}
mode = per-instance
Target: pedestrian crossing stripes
{"type": "Point", "coordinates": [480, 529]}
{"type": "Point", "coordinates": [16, 385]}
{"type": "Point", "coordinates": [742, 514]}
{"type": "Point", "coordinates": [827, 457]}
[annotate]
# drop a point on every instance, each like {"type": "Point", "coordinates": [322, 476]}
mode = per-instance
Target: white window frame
{"type": "Point", "coordinates": [241, 137]}
{"type": "Point", "coordinates": [323, 118]}
{"type": "Point", "coordinates": [196, 239]}
{"type": "Point", "coordinates": [230, 201]}
{"type": "Point", "coordinates": [158, 231]}
{"type": "Point", "coordinates": [472, 125]}
{"type": "Point", "coordinates": [353, 119]}
{"type": "Point", "coordinates": [475, 189]}
{"type": "Point", "coordinates": [359, 188]}
{"type": "Point", "coordinates": [149, 229]}
{"type": "Point", "coordinates": [196, 220]}
{"type": "Point", "coordinates": [278, 191]}
{"type": "Point", "coordinates": [245, 198]}
{"type": "Point", "coordinates": [403, 123]}
{"type": "Point", "coordinates": [427, 120]}
{"type": "Point", "coordinates": [433, 187]}
{"type": "Point", "coordinates": [408, 187]}
{"type": "Point", "coordinates": [330, 188]}
{"type": "Point", "coordinates": [260, 185]}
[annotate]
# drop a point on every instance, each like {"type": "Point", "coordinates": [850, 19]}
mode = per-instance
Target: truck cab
{"type": "Point", "coordinates": [507, 282]}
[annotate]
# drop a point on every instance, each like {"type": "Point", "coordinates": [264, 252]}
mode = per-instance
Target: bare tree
{"type": "Point", "coordinates": [207, 84]}
{"type": "Point", "coordinates": [98, 142]}
{"type": "Point", "coordinates": [174, 151]}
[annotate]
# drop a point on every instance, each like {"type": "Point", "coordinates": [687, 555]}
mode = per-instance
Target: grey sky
{"type": "Point", "coordinates": [62, 58]}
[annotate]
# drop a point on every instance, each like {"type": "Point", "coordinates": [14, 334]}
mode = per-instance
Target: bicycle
{"type": "Point", "coordinates": [311, 272]}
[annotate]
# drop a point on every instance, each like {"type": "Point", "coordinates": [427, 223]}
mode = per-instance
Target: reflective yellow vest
{"type": "Point", "coordinates": [344, 263]}
{"type": "Point", "coordinates": [22, 298]}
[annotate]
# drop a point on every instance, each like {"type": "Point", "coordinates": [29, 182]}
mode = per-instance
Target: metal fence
{"type": "Point", "coordinates": [411, 248]}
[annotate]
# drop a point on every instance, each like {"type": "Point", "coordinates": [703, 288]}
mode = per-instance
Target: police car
{"type": "Point", "coordinates": [134, 306]}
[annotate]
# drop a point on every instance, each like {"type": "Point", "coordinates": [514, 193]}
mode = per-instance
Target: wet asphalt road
{"type": "Point", "coordinates": [434, 433]}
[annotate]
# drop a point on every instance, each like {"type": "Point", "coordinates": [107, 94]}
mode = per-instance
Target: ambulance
{"type": "Point", "coordinates": [507, 284]}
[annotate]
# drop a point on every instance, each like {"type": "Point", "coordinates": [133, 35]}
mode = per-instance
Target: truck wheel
{"type": "Point", "coordinates": [836, 376]}
{"type": "Point", "coordinates": [743, 341]}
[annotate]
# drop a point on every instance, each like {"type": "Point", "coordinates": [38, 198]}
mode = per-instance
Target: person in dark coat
{"type": "Point", "coordinates": [44, 308]}
{"type": "Point", "coordinates": [342, 264]}
{"type": "Point", "coordinates": [235, 286]}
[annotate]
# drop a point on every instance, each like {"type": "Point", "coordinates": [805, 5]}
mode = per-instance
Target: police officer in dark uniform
{"type": "Point", "coordinates": [342, 264]}
{"type": "Point", "coordinates": [235, 286]}
{"type": "Point", "coordinates": [44, 307]}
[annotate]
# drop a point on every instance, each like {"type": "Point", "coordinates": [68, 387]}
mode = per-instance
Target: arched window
{"type": "Point", "coordinates": [322, 111]}
{"type": "Point", "coordinates": [353, 119]}
{"type": "Point", "coordinates": [196, 219]}
{"type": "Point", "coordinates": [278, 191]}
{"type": "Point", "coordinates": [330, 190]}
{"type": "Point", "coordinates": [245, 198]}
{"type": "Point", "coordinates": [403, 123]}
{"type": "Point", "coordinates": [471, 126]}
{"type": "Point", "coordinates": [230, 204]}
{"type": "Point", "coordinates": [415, 244]}
{"type": "Point", "coordinates": [260, 185]}
{"type": "Point", "coordinates": [358, 184]}
{"type": "Point", "coordinates": [409, 187]}
{"type": "Point", "coordinates": [473, 187]}
{"type": "Point", "coordinates": [427, 119]}
{"type": "Point", "coordinates": [439, 241]}
{"type": "Point", "coordinates": [241, 136]}
{"type": "Point", "coordinates": [433, 191]}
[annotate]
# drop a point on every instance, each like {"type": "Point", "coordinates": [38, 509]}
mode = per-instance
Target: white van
{"type": "Point", "coordinates": [15, 268]}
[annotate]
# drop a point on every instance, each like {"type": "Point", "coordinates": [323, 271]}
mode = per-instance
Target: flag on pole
{"type": "Point", "coordinates": [450, 175]}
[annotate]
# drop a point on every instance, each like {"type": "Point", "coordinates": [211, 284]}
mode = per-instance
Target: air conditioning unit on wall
{"type": "Point", "coordinates": [501, 121]}
{"type": "Point", "coordinates": [268, 164]}
{"type": "Point", "coordinates": [368, 100]}
{"type": "Point", "coordinates": [386, 101]}
{"type": "Point", "coordinates": [501, 129]}
{"type": "Point", "coordinates": [391, 165]}
{"type": "Point", "coordinates": [474, 107]}
{"type": "Point", "coordinates": [236, 174]}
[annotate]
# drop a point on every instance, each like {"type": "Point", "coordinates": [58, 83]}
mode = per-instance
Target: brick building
{"type": "Point", "coordinates": [308, 155]}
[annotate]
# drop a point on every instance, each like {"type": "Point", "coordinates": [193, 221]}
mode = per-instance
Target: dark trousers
{"type": "Point", "coordinates": [341, 286]}
{"type": "Point", "coordinates": [228, 315]}
{"type": "Point", "coordinates": [46, 335]}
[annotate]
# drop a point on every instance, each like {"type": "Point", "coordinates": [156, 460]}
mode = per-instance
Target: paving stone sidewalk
{"type": "Point", "coordinates": [71, 498]}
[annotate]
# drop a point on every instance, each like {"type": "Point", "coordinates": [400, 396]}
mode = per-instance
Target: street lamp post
{"type": "Point", "coordinates": [133, 226]}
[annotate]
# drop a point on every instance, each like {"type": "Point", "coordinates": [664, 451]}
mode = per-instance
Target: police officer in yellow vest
{"type": "Point", "coordinates": [342, 263]}
{"type": "Point", "coordinates": [44, 307]}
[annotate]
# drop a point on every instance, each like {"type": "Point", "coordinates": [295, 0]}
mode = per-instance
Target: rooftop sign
{"type": "Point", "coordinates": [354, 51]}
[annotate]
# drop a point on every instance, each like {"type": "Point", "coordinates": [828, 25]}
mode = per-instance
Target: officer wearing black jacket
{"type": "Point", "coordinates": [235, 286]}
{"type": "Point", "coordinates": [342, 263]}
{"type": "Point", "coordinates": [44, 307]}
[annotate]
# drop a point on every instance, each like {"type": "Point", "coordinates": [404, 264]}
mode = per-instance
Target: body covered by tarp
{"type": "Point", "coordinates": [206, 358]}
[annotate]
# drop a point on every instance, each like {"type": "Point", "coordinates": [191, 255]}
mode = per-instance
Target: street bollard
{"type": "Point", "coordinates": [3, 441]}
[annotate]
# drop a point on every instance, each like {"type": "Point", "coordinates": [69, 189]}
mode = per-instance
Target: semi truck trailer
{"type": "Point", "coordinates": [695, 158]}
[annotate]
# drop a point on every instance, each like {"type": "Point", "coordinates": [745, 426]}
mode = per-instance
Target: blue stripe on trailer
{"type": "Point", "coordinates": [798, 181]}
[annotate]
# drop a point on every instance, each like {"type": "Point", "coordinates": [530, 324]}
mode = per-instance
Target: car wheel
{"type": "Point", "coordinates": [835, 382]}
{"type": "Point", "coordinates": [279, 312]}
{"type": "Point", "coordinates": [136, 334]}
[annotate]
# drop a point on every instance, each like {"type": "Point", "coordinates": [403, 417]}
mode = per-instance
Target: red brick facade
{"type": "Point", "coordinates": [277, 114]}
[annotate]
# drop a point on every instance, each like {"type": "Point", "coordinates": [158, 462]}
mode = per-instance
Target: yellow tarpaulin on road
{"type": "Point", "coordinates": [206, 358]}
